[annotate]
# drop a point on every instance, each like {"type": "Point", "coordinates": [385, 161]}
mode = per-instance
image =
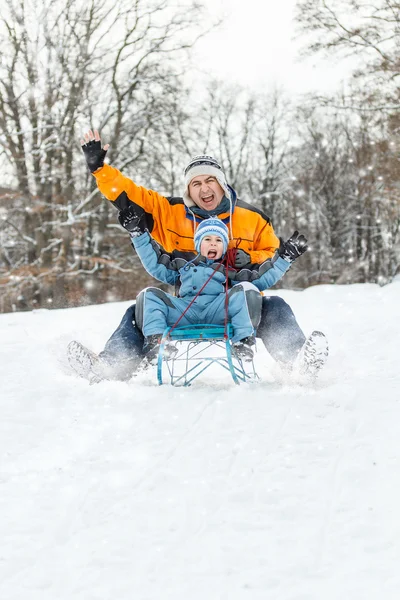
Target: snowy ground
{"type": "Point", "coordinates": [131, 491]}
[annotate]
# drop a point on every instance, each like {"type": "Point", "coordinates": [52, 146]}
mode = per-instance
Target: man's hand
{"type": "Point", "coordinates": [241, 259]}
{"type": "Point", "coordinates": [133, 222]}
{"type": "Point", "coordinates": [293, 248]}
{"type": "Point", "coordinates": [94, 153]}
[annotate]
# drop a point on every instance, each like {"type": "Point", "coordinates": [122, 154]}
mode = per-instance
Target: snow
{"type": "Point", "coordinates": [134, 491]}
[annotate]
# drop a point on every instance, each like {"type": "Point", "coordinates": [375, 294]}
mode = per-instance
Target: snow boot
{"type": "Point", "coordinates": [243, 349]}
{"type": "Point", "coordinates": [86, 363]}
{"type": "Point", "coordinates": [312, 357]}
{"type": "Point", "coordinates": [151, 348]}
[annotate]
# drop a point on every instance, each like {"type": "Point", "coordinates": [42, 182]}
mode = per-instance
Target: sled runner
{"type": "Point", "coordinates": [195, 349]}
{"type": "Point", "coordinates": [199, 347]}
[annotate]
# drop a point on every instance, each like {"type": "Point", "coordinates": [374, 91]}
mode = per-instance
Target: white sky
{"type": "Point", "coordinates": [255, 47]}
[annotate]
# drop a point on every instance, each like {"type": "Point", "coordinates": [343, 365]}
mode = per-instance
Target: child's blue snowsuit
{"type": "Point", "coordinates": [155, 309]}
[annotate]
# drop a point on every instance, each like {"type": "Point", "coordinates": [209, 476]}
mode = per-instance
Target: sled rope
{"type": "Point", "coordinates": [191, 302]}
{"type": "Point", "coordinates": [229, 261]}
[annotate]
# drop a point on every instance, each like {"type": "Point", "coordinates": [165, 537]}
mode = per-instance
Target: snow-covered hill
{"type": "Point", "coordinates": [133, 491]}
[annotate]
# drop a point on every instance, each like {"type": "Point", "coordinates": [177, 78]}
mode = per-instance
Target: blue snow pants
{"type": "Point", "coordinates": [156, 310]}
{"type": "Point", "coordinates": [278, 329]}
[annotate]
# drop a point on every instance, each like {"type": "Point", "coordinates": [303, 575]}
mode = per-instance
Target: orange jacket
{"type": "Point", "coordinates": [174, 224]}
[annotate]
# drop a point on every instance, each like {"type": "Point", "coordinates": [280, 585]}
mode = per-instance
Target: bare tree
{"type": "Point", "coordinates": [346, 198]}
{"type": "Point", "coordinates": [66, 65]}
{"type": "Point", "coordinates": [369, 121]}
{"type": "Point", "coordinates": [224, 128]}
{"type": "Point", "coordinates": [368, 30]}
{"type": "Point", "coordinates": [270, 178]}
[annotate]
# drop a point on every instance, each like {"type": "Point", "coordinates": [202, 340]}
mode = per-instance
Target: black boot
{"type": "Point", "coordinates": [243, 348]}
{"type": "Point", "coordinates": [151, 348]}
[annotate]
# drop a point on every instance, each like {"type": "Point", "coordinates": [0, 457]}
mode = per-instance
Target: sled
{"type": "Point", "coordinates": [198, 348]}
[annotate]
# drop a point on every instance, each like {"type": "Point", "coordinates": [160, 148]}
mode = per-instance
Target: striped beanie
{"type": "Point", "coordinates": [204, 165]}
{"type": "Point", "coordinates": [211, 226]}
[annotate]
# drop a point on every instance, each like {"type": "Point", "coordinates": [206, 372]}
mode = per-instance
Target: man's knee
{"type": "Point", "coordinates": [129, 314]}
{"type": "Point", "coordinates": [274, 307]}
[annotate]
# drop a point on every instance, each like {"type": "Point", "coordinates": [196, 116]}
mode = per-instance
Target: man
{"type": "Point", "coordinates": [172, 223]}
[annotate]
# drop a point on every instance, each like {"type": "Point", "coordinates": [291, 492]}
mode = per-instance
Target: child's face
{"type": "Point", "coordinates": [212, 247]}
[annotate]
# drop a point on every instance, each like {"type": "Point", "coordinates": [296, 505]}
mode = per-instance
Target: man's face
{"type": "Point", "coordinates": [206, 192]}
{"type": "Point", "coordinates": [212, 247]}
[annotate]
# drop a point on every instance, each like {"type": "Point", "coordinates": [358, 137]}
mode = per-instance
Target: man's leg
{"type": "Point", "coordinates": [124, 349]}
{"type": "Point", "coordinates": [279, 330]}
{"type": "Point", "coordinates": [127, 338]}
{"type": "Point", "coordinates": [119, 359]}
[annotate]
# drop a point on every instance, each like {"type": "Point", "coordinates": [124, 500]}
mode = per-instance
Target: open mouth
{"type": "Point", "coordinates": [211, 254]}
{"type": "Point", "coordinates": [208, 199]}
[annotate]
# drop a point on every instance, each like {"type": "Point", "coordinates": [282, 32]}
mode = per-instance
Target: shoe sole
{"type": "Point", "coordinates": [83, 361]}
{"type": "Point", "coordinates": [315, 354]}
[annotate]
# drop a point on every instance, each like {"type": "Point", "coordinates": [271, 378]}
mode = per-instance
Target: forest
{"type": "Point", "coordinates": [328, 166]}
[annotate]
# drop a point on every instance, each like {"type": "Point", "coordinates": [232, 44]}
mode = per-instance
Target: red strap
{"type": "Point", "coordinates": [231, 255]}
{"type": "Point", "coordinates": [229, 260]}
{"type": "Point", "coordinates": [226, 292]}
{"type": "Point", "coordinates": [191, 302]}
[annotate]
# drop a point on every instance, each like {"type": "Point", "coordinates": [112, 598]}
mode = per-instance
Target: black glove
{"type": "Point", "coordinates": [293, 248]}
{"type": "Point", "coordinates": [94, 154]}
{"type": "Point", "coordinates": [242, 258]}
{"type": "Point", "coordinates": [132, 221]}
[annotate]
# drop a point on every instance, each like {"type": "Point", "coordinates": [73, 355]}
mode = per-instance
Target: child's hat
{"type": "Point", "coordinates": [211, 226]}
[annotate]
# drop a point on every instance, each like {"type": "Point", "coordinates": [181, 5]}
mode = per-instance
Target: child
{"type": "Point", "coordinates": [203, 280]}
{"type": "Point", "coordinates": [202, 292]}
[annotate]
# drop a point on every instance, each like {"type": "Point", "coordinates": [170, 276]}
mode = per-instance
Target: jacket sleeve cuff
{"type": "Point", "coordinates": [141, 240]}
{"type": "Point", "coordinates": [282, 264]}
{"type": "Point", "coordinates": [106, 173]}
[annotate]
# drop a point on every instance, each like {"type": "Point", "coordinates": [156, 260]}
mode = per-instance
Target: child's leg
{"type": "Point", "coordinates": [244, 310]}
{"type": "Point", "coordinates": [156, 310]}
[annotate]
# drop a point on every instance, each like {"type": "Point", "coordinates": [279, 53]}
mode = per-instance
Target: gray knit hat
{"type": "Point", "coordinates": [204, 165]}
